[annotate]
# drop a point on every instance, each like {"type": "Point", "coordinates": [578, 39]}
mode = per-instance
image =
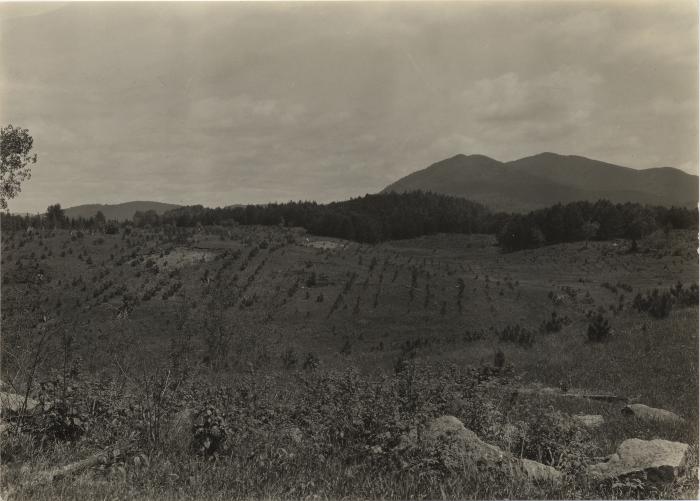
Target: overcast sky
{"type": "Point", "coordinates": [237, 103]}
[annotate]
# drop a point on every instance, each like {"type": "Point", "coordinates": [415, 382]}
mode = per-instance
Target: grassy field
{"type": "Point", "coordinates": [262, 330]}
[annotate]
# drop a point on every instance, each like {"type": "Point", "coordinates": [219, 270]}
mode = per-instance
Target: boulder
{"type": "Point", "coordinates": [538, 472]}
{"type": "Point", "coordinates": [12, 403]}
{"type": "Point", "coordinates": [654, 460]}
{"type": "Point", "coordinates": [651, 414]}
{"type": "Point", "coordinates": [589, 420]}
{"type": "Point", "coordinates": [460, 447]}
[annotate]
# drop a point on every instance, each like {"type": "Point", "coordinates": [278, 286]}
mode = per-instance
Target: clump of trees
{"type": "Point", "coordinates": [659, 303]}
{"type": "Point", "coordinates": [368, 219]}
{"type": "Point", "coordinates": [584, 221]}
{"type": "Point", "coordinates": [55, 218]}
{"type": "Point", "coordinates": [389, 216]}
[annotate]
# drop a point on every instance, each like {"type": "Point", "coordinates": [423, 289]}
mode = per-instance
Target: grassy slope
{"type": "Point", "coordinates": [654, 361]}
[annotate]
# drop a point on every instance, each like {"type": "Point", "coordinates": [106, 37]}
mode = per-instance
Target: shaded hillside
{"type": "Point", "coordinates": [546, 179]}
{"type": "Point", "coordinates": [120, 212]}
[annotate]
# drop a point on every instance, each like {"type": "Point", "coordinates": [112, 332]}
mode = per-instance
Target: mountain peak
{"type": "Point", "coordinates": [548, 178]}
{"type": "Point", "coordinates": [475, 156]}
{"type": "Point", "coordinates": [467, 160]}
{"type": "Point", "coordinates": [549, 155]}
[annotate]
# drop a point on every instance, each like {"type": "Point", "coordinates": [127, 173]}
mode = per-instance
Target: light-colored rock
{"type": "Point", "coordinates": [457, 444]}
{"type": "Point", "coordinates": [13, 403]}
{"type": "Point", "coordinates": [651, 414]}
{"type": "Point", "coordinates": [460, 447]}
{"type": "Point", "coordinates": [654, 460]}
{"type": "Point", "coordinates": [589, 420]}
{"type": "Point", "coordinates": [538, 472]}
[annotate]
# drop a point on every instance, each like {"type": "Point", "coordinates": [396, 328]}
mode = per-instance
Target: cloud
{"type": "Point", "coordinates": [221, 103]}
{"type": "Point", "coordinates": [240, 111]}
{"type": "Point", "coordinates": [563, 95]}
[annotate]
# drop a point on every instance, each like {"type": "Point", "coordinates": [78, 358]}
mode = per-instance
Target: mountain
{"type": "Point", "coordinates": [119, 212]}
{"type": "Point", "coordinates": [548, 178]}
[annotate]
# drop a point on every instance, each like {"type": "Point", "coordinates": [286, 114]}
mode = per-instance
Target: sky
{"type": "Point", "coordinates": [228, 103]}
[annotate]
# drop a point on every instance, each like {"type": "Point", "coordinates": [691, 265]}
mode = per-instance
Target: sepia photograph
{"type": "Point", "coordinates": [349, 250]}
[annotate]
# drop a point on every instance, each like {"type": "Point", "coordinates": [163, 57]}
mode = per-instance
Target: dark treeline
{"type": "Point", "coordinates": [388, 216]}
{"type": "Point", "coordinates": [55, 218]}
{"type": "Point", "coordinates": [369, 219]}
{"type": "Point", "coordinates": [602, 220]}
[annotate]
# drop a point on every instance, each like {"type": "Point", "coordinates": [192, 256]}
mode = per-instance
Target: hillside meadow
{"type": "Point", "coordinates": [300, 365]}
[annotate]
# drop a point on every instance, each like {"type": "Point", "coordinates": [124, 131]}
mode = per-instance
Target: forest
{"type": "Point", "coordinates": [394, 216]}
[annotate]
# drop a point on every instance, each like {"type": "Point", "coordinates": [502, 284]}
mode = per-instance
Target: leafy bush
{"type": "Point", "coordinates": [553, 438]}
{"type": "Point", "coordinates": [209, 432]}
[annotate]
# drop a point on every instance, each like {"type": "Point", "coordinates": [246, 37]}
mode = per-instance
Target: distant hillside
{"type": "Point", "coordinates": [546, 179]}
{"type": "Point", "coordinates": [119, 212]}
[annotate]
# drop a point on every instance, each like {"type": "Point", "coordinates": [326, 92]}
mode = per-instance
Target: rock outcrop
{"type": "Point", "coordinates": [651, 414]}
{"type": "Point", "coordinates": [538, 472]}
{"type": "Point", "coordinates": [460, 447]}
{"type": "Point", "coordinates": [653, 460]}
{"type": "Point", "coordinates": [12, 403]}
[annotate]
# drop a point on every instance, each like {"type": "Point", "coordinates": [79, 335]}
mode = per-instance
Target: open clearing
{"type": "Point", "coordinates": [264, 330]}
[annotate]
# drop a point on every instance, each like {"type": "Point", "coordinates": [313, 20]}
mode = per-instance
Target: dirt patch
{"type": "Point", "coordinates": [180, 257]}
{"type": "Point", "coordinates": [325, 244]}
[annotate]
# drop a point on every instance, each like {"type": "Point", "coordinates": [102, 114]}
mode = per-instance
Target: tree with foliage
{"type": "Point", "coordinates": [99, 219]}
{"type": "Point", "coordinates": [640, 224]}
{"type": "Point", "coordinates": [148, 218]}
{"type": "Point", "coordinates": [520, 232]}
{"type": "Point", "coordinates": [55, 215]}
{"type": "Point", "coordinates": [15, 161]}
{"type": "Point", "coordinates": [589, 230]}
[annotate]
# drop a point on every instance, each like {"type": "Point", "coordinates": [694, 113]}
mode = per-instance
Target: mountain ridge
{"type": "Point", "coordinates": [548, 178]}
{"type": "Point", "coordinates": [120, 212]}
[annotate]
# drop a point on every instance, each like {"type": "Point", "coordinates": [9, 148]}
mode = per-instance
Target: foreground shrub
{"type": "Point", "coordinates": [553, 438]}
{"type": "Point", "coordinates": [210, 431]}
